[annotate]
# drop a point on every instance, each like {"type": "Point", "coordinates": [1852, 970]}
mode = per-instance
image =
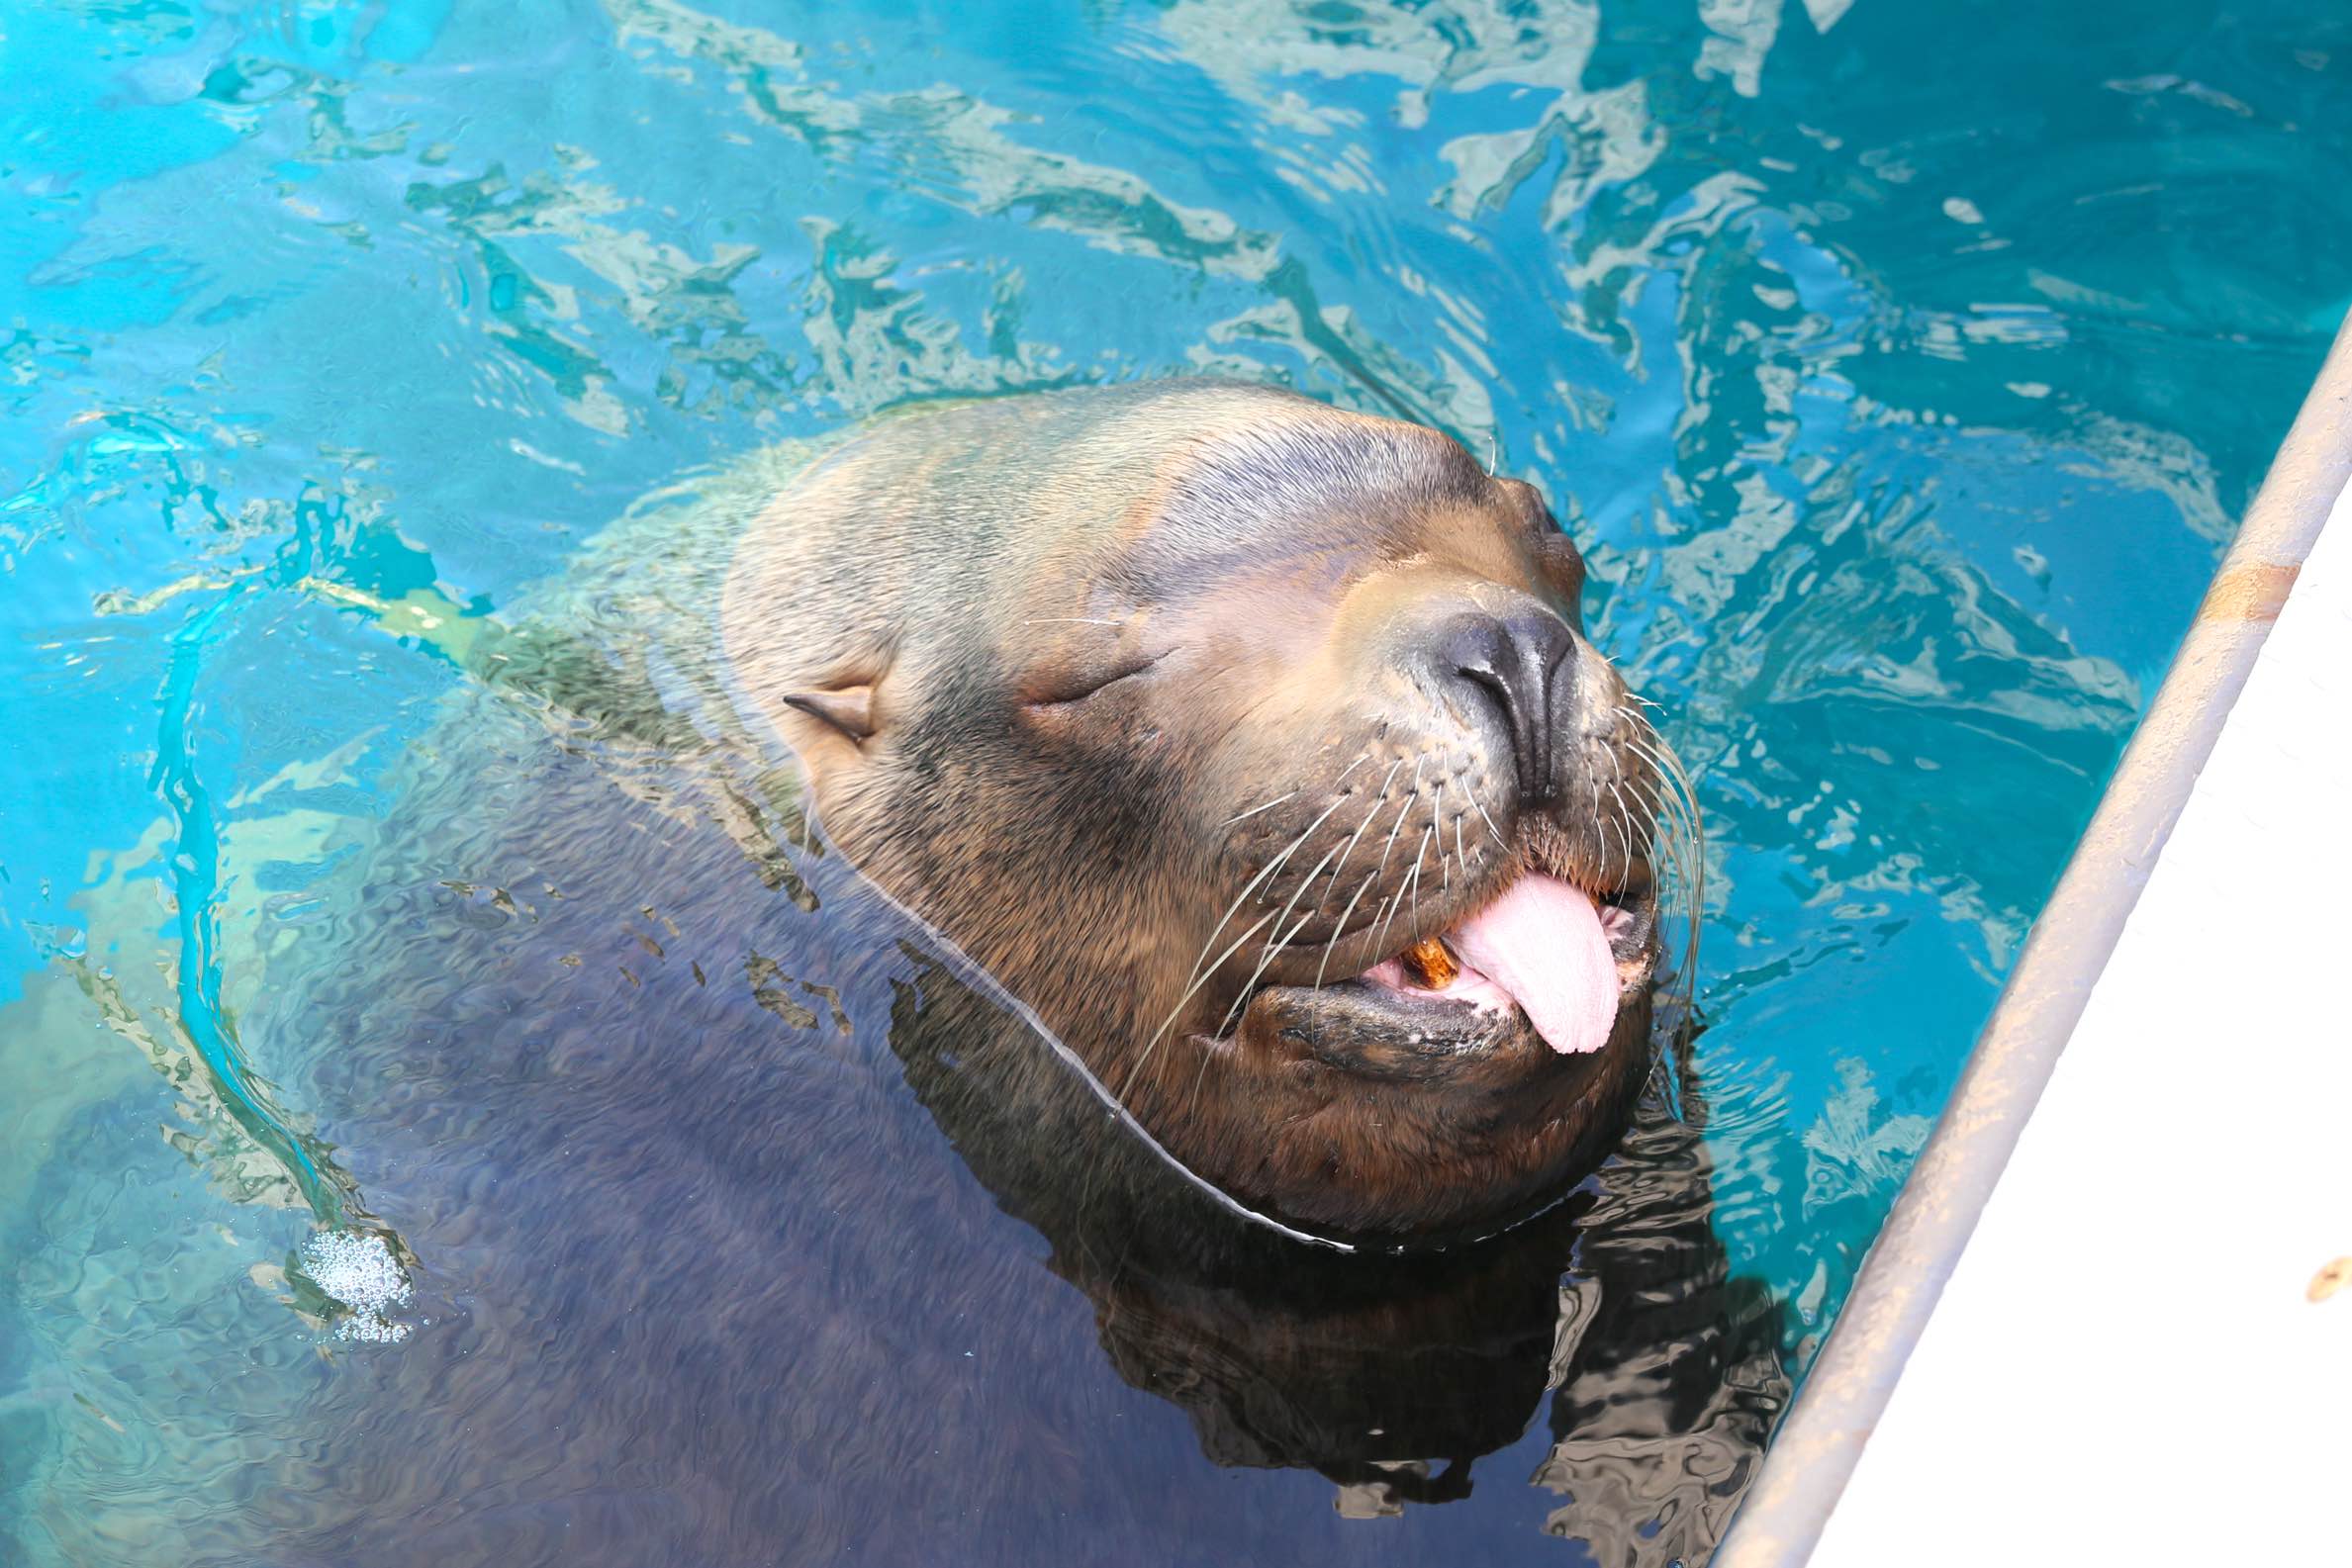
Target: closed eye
{"type": "Point", "coordinates": [1063, 688]}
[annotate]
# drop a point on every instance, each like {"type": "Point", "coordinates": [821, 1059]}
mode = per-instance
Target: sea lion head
{"type": "Point", "coordinates": [1259, 748]}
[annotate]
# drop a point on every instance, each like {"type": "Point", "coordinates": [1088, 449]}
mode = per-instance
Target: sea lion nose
{"type": "Point", "coordinates": [1521, 664]}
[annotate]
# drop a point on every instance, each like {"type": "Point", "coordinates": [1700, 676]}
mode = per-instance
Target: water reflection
{"type": "Point", "coordinates": [1393, 1376]}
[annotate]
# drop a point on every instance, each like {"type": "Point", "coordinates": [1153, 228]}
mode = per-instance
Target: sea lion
{"type": "Point", "coordinates": [1254, 744]}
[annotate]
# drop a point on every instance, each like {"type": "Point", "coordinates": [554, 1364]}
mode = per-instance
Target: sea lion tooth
{"type": "Point", "coordinates": [1430, 965]}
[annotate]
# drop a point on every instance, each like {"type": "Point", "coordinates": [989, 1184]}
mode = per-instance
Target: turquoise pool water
{"type": "Point", "coordinates": [1902, 368]}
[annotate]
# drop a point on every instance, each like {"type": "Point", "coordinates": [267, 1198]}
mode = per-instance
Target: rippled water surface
{"type": "Point", "coordinates": [1902, 368]}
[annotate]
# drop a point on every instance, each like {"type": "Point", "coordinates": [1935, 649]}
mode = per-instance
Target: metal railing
{"type": "Point", "coordinates": [1820, 1439]}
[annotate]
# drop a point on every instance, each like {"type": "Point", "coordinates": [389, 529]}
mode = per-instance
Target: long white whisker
{"type": "Point", "coordinates": [1264, 871]}
{"type": "Point", "coordinates": [1393, 902]}
{"type": "Point", "coordinates": [1154, 1044]}
{"type": "Point", "coordinates": [1378, 802]}
{"type": "Point", "coordinates": [1437, 825]}
{"type": "Point", "coordinates": [1625, 834]}
{"type": "Point", "coordinates": [1675, 804]}
{"type": "Point", "coordinates": [1304, 882]}
{"type": "Point", "coordinates": [1624, 814]}
{"type": "Point", "coordinates": [1483, 817]}
{"type": "Point", "coordinates": [1362, 889]}
{"type": "Point", "coordinates": [1198, 976]}
{"type": "Point", "coordinates": [1254, 810]}
{"type": "Point", "coordinates": [1685, 844]}
{"type": "Point", "coordinates": [1272, 947]}
{"type": "Point", "coordinates": [1672, 815]}
{"type": "Point", "coordinates": [1415, 882]}
{"type": "Point", "coordinates": [1388, 906]}
{"type": "Point", "coordinates": [1404, 808]}
{"type": "Point", "coordinates": [1289, 849]}
{"type": "Point", "coordinates": [1661, 755]}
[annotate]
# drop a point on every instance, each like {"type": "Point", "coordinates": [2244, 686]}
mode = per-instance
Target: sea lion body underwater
{"type": "Point", "coordinates": [1254, 745]}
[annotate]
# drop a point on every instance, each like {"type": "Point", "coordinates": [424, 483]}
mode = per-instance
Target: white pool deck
{"type": "Point", "coordinates": [2126, 1366]}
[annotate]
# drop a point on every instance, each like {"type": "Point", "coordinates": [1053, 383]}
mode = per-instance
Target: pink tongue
{"type": "Point", "coordinates": [1543, 943]}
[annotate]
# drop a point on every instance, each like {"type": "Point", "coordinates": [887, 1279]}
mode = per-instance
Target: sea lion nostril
{"type": "Point", "coordinates": [1518, 663]}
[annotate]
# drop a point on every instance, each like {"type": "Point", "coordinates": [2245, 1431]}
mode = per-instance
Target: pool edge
{"type": "Point", "coordinates": [1814, 1451]}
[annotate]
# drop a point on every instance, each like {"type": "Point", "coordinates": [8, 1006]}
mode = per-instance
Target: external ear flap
{"type": "Point", "coordinates": [849, 709]}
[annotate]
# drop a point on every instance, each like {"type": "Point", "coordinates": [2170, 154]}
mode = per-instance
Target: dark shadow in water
{"type": "Point", "coordinates": [1392, 1375]}
{"type": "Point", "coordinates": [625, 1061]}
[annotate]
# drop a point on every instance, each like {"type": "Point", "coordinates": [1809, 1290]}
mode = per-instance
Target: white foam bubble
{"type": "Point", "coordinates": [360, 1270]}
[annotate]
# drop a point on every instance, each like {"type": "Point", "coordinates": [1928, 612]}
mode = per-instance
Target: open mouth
{"type": "Point", "coordinates": [1559, 955]}
{"type": "Point", "coordinates": [1541, 956]}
